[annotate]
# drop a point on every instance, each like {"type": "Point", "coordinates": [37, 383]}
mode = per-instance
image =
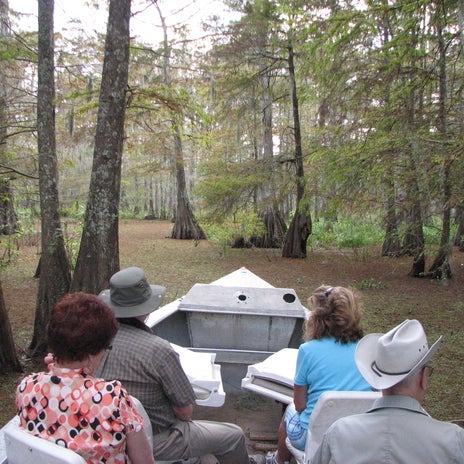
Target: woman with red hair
{"type": "Point", "coordinates": [71, 407]}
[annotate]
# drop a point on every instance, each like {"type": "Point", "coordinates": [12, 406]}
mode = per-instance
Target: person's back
{"type": "Point", "coordinates": [61, 412]}
{"type": "Point", "coordinates": [68, 405]}
{"type": "Point", "coordinates": [148, 367]}
{"type": "Point", "coordinates": [327, 365]}
{"type": "Point", "coordinates": [325, 362]}
{"type": "Point", "coordinates": [152, 371]}
{"type": "Point", "coordinates": [395, 431]}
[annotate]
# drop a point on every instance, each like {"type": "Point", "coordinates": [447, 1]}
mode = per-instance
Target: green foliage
{"type": "Point", "coordinates": [75, 211]}
{"type": "Point", "coordinates": [27, 234]}
{"type": "Point", "coordinates": [128, 214]}
{"type": "Point", "coordinates": [432, 231]}
{"type": "Point", "coordinates": [226, 186]}
{"type": "Point", "coordinates": [352, 232]}
{"type": "Point", "coordinates": [72, 233]}
{"type": "Point", "coordinates": [9, 247]}
{"type": "Point", "coordinates": [242, 226]}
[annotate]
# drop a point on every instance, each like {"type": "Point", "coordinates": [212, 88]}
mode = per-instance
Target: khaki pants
{"type": "Point", "coordinates": [195, 439]}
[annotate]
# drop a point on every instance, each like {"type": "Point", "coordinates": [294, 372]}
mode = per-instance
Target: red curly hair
{"type": "Point", "coordinates": [81, 324]}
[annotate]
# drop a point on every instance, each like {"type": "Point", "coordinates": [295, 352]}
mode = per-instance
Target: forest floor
{"type": "Point", "coordinates": [389, 296]}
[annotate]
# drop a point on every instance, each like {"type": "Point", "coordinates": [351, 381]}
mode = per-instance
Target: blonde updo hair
{"type": "Point", "coordinates": [336, 312]}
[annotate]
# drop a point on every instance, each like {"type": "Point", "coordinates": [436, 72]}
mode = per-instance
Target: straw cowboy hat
{"type": "Point", "coordinates": [386, 359]}
{"type": "Point", "coordinates": [130, 295]}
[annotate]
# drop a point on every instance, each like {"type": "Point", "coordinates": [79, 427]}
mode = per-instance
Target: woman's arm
{"type": "Point", "coordinates": [300, 397]}
{"type": "Point", "coordinates": [139, 449]}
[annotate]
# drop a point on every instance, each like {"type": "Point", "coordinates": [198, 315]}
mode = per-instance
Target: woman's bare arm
{"type": "Point", "coordinates": [139, 449]}
{"type": "Point", "coordinates": [300, 397]}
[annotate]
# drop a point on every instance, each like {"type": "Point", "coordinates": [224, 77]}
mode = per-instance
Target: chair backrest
{"type": "Point", "coordinates": [333, 405]}
{"type": "Point", "coordinates": [146, 420]}
{"type": "Point", "coordinates": [23, 447]}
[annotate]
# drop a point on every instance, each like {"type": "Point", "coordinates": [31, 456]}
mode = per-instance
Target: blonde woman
{"type": "Point", "coordinates": [325, 362]}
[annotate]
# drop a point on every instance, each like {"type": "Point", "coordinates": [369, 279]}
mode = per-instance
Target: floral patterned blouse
{"type": "Point", "coordinates": [78, 411]}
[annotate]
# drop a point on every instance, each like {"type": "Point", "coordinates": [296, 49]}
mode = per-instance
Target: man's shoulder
{"type": "Point", "coordinates": [397, 415]}
{"type": "Point", "coordinates": [134, 336]}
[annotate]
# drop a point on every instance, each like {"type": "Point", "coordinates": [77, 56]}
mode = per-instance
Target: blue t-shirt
{"type": "Point", "coordinates": [324, 365]}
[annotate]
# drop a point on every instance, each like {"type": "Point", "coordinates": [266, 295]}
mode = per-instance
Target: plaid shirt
{"type": "Point", "coordinates": [150, 370]}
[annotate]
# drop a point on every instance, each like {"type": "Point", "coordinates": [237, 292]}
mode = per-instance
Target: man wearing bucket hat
{"type": "Point", "coordinates": [396, 429]}
{"type": "Point", "coordinates": [151, 371]}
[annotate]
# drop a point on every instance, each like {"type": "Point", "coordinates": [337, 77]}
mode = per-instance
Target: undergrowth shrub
{"type": "Point", "coordinates": [346, 233]}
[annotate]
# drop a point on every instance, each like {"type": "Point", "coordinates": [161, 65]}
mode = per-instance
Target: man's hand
{"type": "Point", "coordinates": [183, 413]}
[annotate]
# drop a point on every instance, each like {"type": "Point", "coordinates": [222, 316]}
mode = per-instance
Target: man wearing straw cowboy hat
{"type": "Point", "coordinates": [396, 429]}
{"type": "Point", "coordinates": [151, 371]}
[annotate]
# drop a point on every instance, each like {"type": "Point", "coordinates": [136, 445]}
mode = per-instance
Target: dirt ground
{"type": "Point", "coordinates": [389, 296]}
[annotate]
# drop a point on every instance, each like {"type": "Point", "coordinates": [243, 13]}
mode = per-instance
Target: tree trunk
{"type": "Point", "coordinates": [297, 235]}
{"type": "Point", "coordinates": [301, 226]}
{"type": "Point", "coordinates": [459, 236]}
{"type": "Point", "coordinates": [275, 230]}
{"type": "Point", "coordinates": [55, 274]}
{"type": "Point", "coordinates": [98, 257]}
{"type": "Point", "coordinates": [417, 241]}
{"type": "Point", "coordinates": [185, 224]}
{"type": "Point", "coordinates": [8, 218]}
{"type": "Point", "coordinates": [274, 225]}
{"type": "Point", "coordinates": [441, 268]}
{"type": "Point", "coordinates": [391, 245]}
{"type": "Point", "coordinates": [9, 361]}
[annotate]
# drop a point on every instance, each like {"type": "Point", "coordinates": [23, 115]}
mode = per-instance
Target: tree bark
{"type": "Point", "coordinates": [185, 224]}
{"type": "Point", "coordinates": [55, 274]}
{"type": "Point", "coordinates": [9, 361]}
{"type": "Point", "coordinates": [275, 229]}
{"type": "Point", "coordinates": [274, 225]}
{"type": "Point", "coordinates": [98, 257]}
{"type": "Point", "coordinates": [297, 236]}
{"type": "Point", "coordinates": [301, 225]}
{"type": "Point", "coordinates": [391, 245]}
{"type": "Point", "coordinates": [459, 236]}
{"type": "Point", "coordinates": [416, 234]}
{"type": "Point", "coordinates": [8, 357]}
{"type": "Point", "coordinates": [441, 267]}
{"type": "Point", "coordinates": [8, 217]}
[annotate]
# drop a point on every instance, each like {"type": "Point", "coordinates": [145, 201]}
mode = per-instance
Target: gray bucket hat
{"type": "Point", "coordinates": [386, 359]}
{"type": "Point", "coordinates": [130, 295]}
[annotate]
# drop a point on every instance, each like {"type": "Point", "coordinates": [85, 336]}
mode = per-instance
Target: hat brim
{"type": "Point", "coordinates": [365, 357]}
{"type": "Point", "coordinates": [153, 303]}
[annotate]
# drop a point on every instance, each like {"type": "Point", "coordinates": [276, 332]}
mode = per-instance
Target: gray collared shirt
{"type": "Point", "coordinates": [395, 431]}
{"type": "Point", "coordinates": [150, 369]}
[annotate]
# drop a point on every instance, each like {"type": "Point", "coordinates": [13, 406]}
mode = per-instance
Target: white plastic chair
{"type": "Point", "coordinates": [24, 448]}
{"type": "Point", "coordinates": [330, 406]}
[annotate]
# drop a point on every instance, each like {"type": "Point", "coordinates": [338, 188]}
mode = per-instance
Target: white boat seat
{"type": "Point", "coordinates": [204, 375]}
{"type": "Point", "coordinates": [22, 447]}
{"type": "Point", "coordinates": [274, 376]}
{"type": "Point", "coordinates": [330, 406]}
